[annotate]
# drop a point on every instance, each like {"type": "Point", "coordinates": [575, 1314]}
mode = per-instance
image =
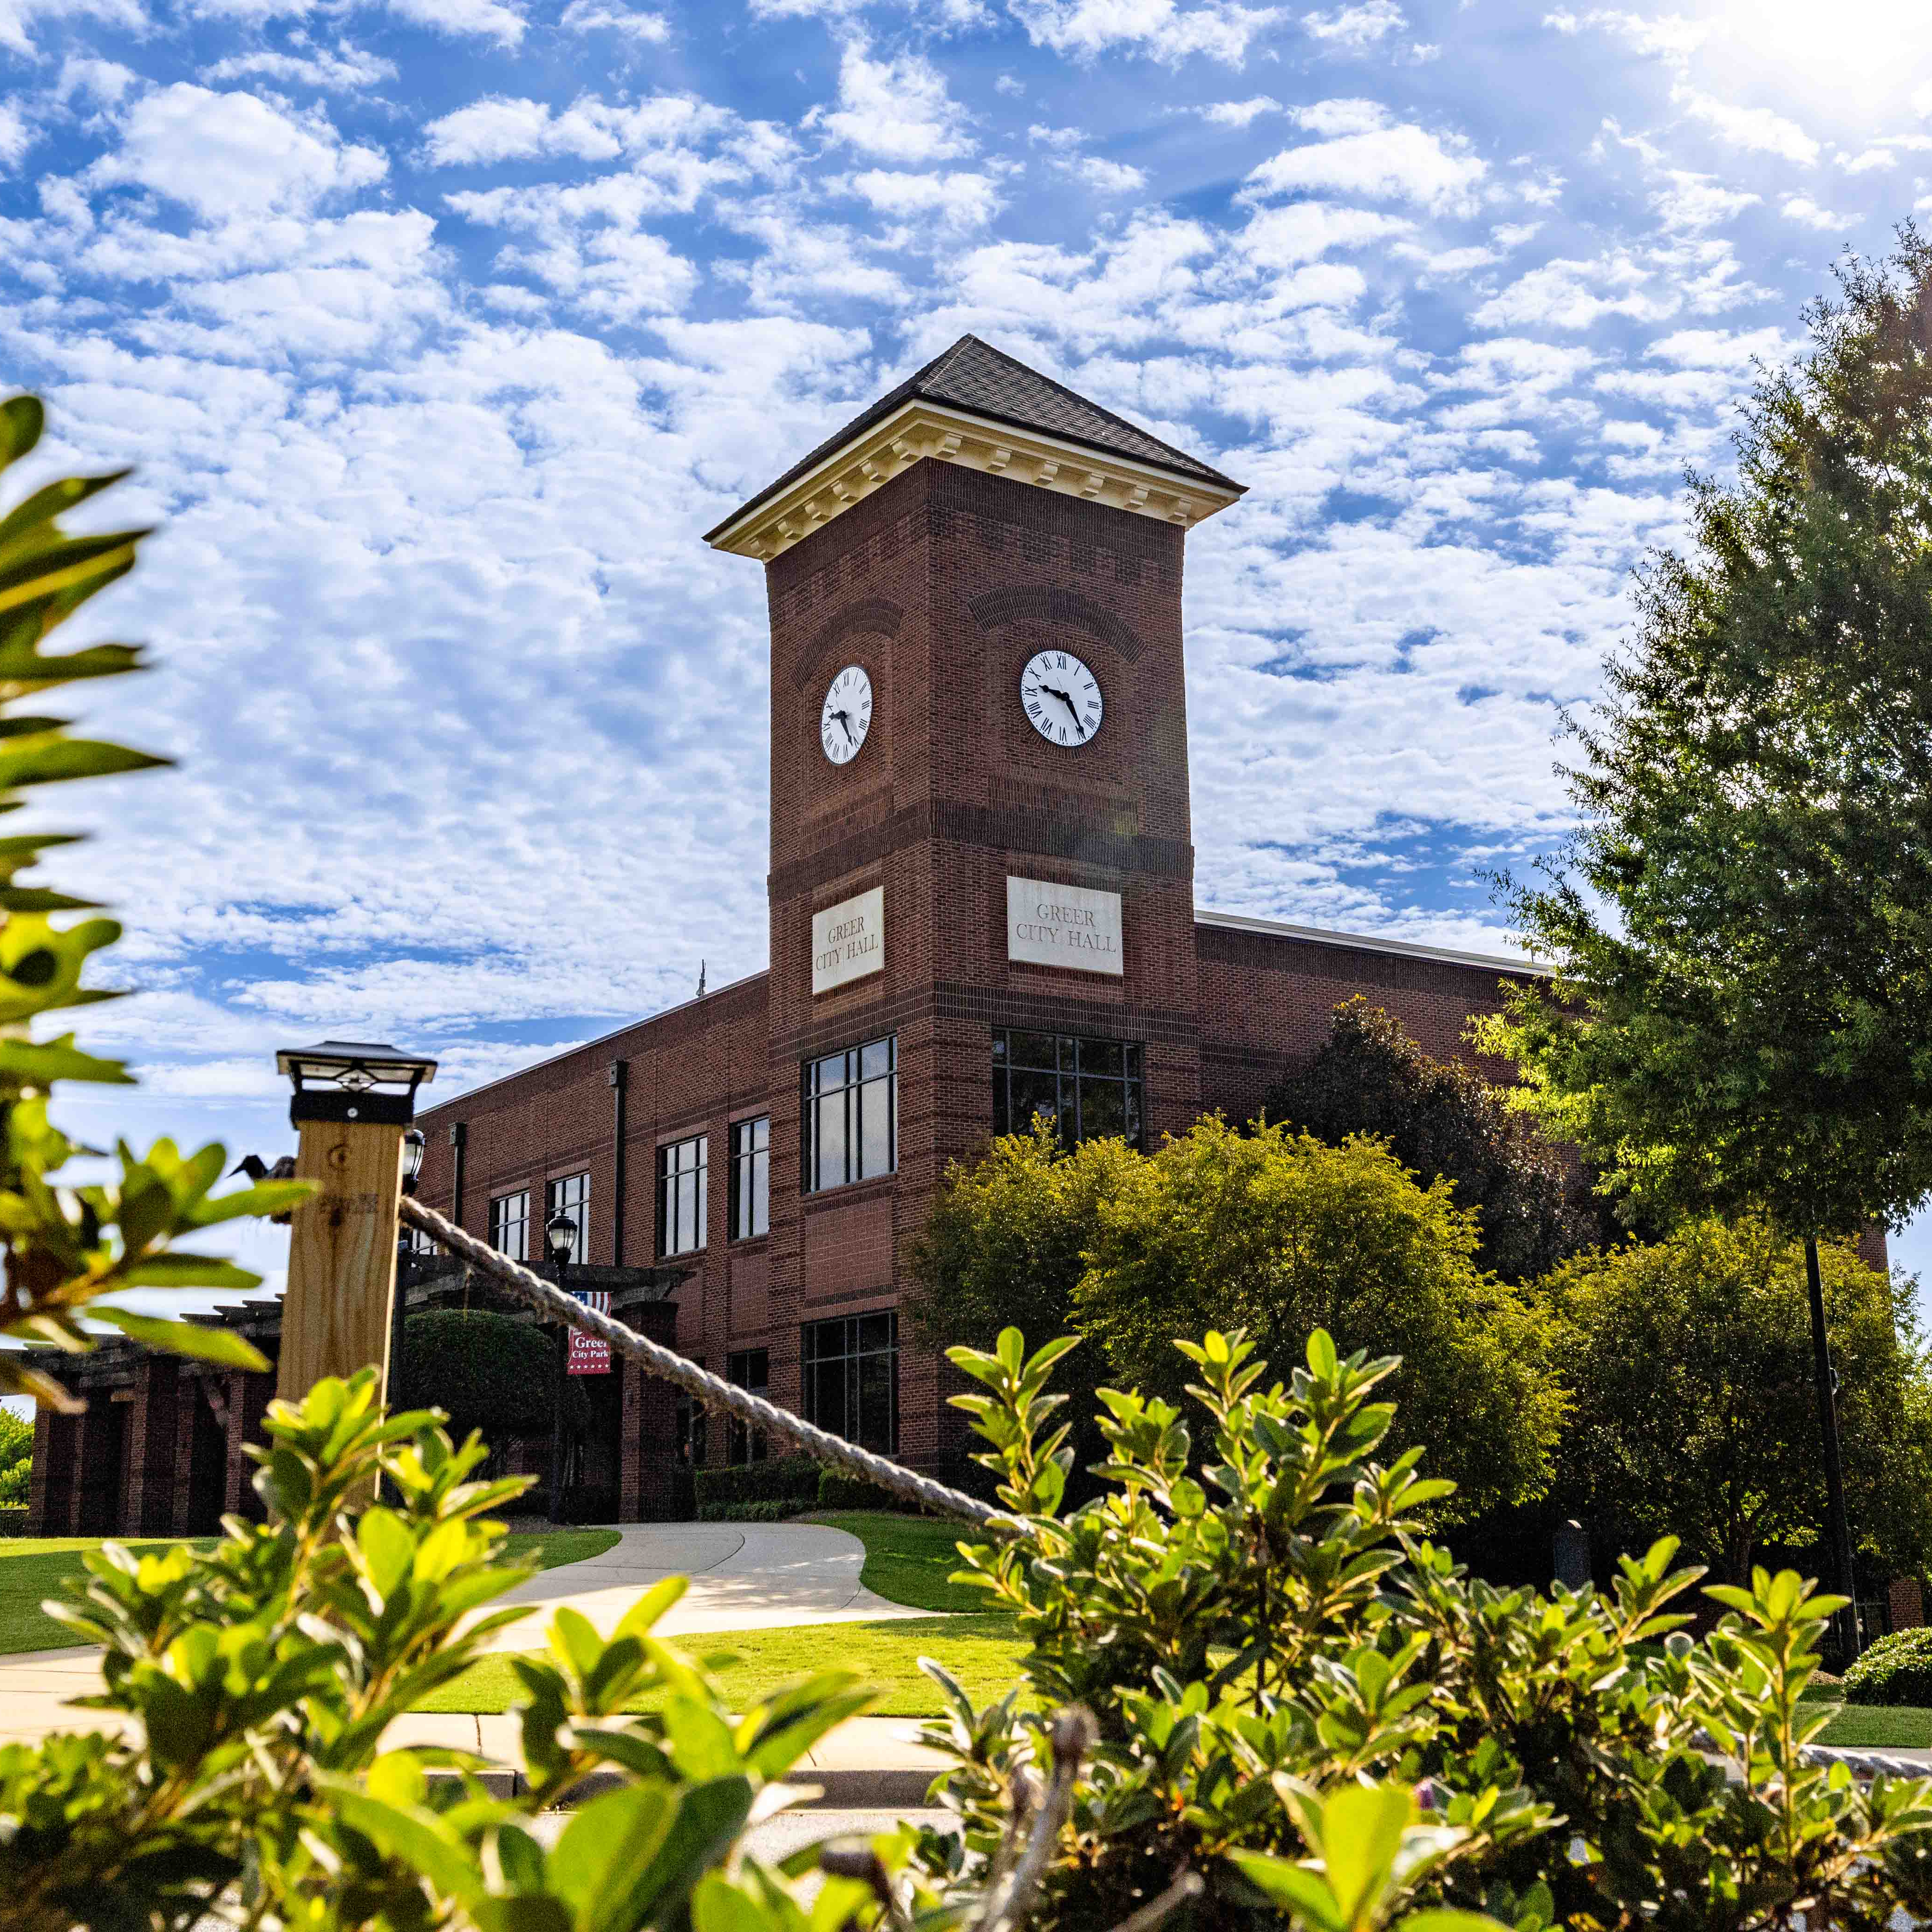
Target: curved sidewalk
{"type": "Point", "coordinates": [744, 1576]}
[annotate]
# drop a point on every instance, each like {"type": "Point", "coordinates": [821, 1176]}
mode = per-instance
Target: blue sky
{"type": "Point", "coordinates": [440, 330]}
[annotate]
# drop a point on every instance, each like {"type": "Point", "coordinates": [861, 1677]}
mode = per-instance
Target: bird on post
{"type": "Point", "coordinates": [258, 1170]}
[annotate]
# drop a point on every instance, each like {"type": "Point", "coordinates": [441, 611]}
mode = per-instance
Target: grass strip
{"type": "Point", "coordinates": [982, 1652]}
{"type": "Point", "coordinates": [33, 1568]}
{"type": "Point", "coordinates": [909, 1558]}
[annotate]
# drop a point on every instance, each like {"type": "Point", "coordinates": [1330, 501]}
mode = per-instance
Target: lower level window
{"type": "Point", "coordinates": [1089, 1089]}
{"type": "Point", "coordinates": [852, 1379]}
{"type": "Point", "coordinates": [749, 1368]}
{"type": "Point", "coordinates": [681, 1192]}
{"type": "Point", "coordinates": [510, 1224]}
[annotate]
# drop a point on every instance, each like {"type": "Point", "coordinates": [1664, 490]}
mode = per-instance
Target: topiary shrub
{"type": "Point", "coordinates": [1897, 1669]}
{"type": "Point", "coordinates": [772, 1509]}
{"type": "Point", "coordinates": [837, 1490]}
{"type": "Point", "coordinates": [790, 1479]}
{"type": "Point", "coordinates": [489, 1372]}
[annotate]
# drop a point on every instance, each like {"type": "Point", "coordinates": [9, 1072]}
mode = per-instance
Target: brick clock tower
{"type": "Point", "coordinates": [982, 858]}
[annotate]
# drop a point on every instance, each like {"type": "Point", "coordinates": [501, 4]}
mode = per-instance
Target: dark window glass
{"type": "Point", "coordinates": [572, 1195]}
{"type": "Point", "coordinates": [851, 1114]}
{"type": "Point", "coordinates": [510, 1224]}
{"type": "Point", "coordinates": [851, 1379]}
{"type": "Point", "coordinates": [750, 1369]}
{"type": "Point", "coordinates": [690, 1443]}
{"type": "Point", "coordinates": [751, 1177]}
{"type": "Point", "coordinates": [1089, 1089]}
{"type": "Point", "coordinates": [682, 1174]}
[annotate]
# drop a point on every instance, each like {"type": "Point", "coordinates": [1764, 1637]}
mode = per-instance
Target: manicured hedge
{"type": "Point", "coordinates": [1897, 1669]}
{"type": "Point", "coordinates": [838, 1490]}
{"type": "Point", "coordinates": [772, 1509]}
{"type": "Point", "coordinates": [786, 1479]}
{"type": "Point", "coordinates": [489, 1372]}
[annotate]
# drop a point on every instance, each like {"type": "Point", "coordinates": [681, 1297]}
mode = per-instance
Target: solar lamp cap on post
{"type": "Point", "coordinates": [353, 1102]}
{"type": "Point", "coordinates": [371, 1083]}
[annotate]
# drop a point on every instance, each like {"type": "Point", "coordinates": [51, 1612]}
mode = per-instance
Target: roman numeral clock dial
{"type": "Point", "coordinates": [1061, 697]}
{"type": "Point", "coordinates": [846, 715]}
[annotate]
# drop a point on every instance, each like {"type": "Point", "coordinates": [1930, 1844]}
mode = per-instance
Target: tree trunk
{"type": "Point", "coordinates": [1838, 1528]}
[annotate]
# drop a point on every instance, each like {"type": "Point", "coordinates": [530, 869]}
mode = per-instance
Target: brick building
{"type": "Point", "coordinates": [982, 904]}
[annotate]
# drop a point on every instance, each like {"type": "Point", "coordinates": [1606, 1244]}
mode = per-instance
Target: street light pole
{"type": "Point", "coordinates": [560, 1236]}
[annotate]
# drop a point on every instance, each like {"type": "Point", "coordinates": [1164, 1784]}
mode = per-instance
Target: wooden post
{"type": "Point", "coordinates": [342, 1254]}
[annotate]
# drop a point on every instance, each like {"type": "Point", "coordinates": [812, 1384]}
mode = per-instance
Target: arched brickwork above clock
{"type": "Point", "coordinates": [869, 616]}
{"type": "Point", "coordinates": [1043, 604]}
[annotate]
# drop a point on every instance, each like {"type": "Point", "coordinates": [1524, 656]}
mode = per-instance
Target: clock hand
{"type": "Point", "coordinates": [844, 722]}
{"type": "Point", "coordinates": [1069, 703]}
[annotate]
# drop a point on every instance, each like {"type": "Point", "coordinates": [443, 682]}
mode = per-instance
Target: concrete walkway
{"type": "Point", "coordinates": [744, 1576]}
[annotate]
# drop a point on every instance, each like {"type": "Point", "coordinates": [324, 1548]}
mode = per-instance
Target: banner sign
{"type": "Point", "coordinates": [588, 1355]}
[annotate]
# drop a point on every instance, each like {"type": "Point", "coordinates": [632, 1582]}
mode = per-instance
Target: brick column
{"type": "Point", "coordinates": [148, 1507]}
{"type": "Point", "coordinates": [248, 1400]}
{"type": "Point", "coordinates": [647, 1458]}
{"type": "Point", "coordinates": [50, 1491]}
{"type": "Point", "coordinates": [1906, 1603]}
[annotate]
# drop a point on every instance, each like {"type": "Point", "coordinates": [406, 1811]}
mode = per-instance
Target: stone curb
{"type": "Point", "coordinates": [837, 1788]}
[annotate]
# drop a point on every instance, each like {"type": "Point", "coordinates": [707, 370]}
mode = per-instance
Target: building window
{"type": "Point", "coordinates": [751, 1177]}
{"type": "Point", "coordinates": [682, 1172]}
{"type": "Point", "coordinates": [749, 1368]}
{"type": "Point", "coordinates": [1089, 1089]}
{"type": "Point", "coordinates": [689, 1446]}
{"type": "Point", "coordinates": [852, 1379]}
{"type": "Point", "coordinates": [510, 1224]}
{"type": "Point", "coordinates": [851, 1114]}
{"type": "Point", "coordinates": [571, 1195]}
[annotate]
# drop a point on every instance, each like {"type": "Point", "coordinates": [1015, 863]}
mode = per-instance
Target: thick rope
{"type": "Point", "coordinates": [715, 1392]}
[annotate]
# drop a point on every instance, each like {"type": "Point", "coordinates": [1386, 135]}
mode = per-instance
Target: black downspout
{"type": "Point", "coordinates": [1838, 1526]}
{"type": "Point", "coordinates": [619, 1078]}
{"type": "Point", "coordinates": [459, 1137]}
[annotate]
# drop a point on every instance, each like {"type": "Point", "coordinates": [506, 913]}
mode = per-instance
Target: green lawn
{"type": "Point", "coordinates": [908, 1559]}
{"type": "Point", "coordinates": [33, 1568]}
{"type": "Point", "coordinates": [981, 1651]}
{"type": "Point", "coordinates": [1878, 1727]}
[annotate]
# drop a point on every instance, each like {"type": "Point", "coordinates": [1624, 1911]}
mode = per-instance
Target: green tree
{"type": "Point", "coordinates": [17, 1458]}
{"type": "Point", "coordinates": [1741, 932]}
{"type": "Point", "coordinates": [1283, 1234]}
{"type": "Point", "coordinates": [1688, 1364]}
{"type": "Point", "coordinates": [1442, 1118]}
{"type": "Point", "coordinates": [65, 1246]}
{"type": "Point", "coordinates": [488, 1371]}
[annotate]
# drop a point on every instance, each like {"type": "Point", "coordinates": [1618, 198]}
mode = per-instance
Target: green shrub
{"type": "Point", "coordinates": [785, 1479]}
{"type": "Point", "coordinates": [771, 1509]}
{"type": "Point", "coordinates": [1897, 1669]}
{"type": "Point", "coordinates": [838, 1490]}
{"type": "Point", "coordinates": [1276, 1657]}
{"type": "Point", "coordinates": [487, 1371]}
{"type": "Point", "coordinates": [254, 1789]}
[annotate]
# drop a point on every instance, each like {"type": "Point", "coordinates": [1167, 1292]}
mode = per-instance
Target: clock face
{"type": "Point", "coordinates": [846, 715]}
{"type": "Point", "coordinates": [1062, 697]}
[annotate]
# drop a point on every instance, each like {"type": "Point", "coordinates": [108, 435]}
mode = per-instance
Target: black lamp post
{"type": "Point", "coordinates": [560, 1235]}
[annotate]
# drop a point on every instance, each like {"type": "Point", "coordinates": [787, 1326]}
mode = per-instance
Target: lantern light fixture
{"type": "Point", "coordinates": [414, 1142]}
{"type": "Point", "coordinates": [373, 1084]}
{"type": "Point", "coordinates": [560, 1231]}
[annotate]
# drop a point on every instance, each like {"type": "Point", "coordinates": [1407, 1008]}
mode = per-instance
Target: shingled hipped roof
{"type": "Point", "coordinates": [974, 376]}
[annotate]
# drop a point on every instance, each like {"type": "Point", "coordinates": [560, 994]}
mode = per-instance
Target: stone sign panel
{"type": "Point", "coordinates": [1063, 925]}
{"type": "Point", "coordinates": [848, 941]}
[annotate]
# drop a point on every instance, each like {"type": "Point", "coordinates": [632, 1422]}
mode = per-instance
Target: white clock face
{"type": "Point", "coordinates": [847, 714]}
{"type": "Point", "coordinates": [1062, 697]}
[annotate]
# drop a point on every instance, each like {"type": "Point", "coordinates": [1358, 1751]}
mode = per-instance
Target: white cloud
{"type": "Point", "coordinates": [1356, 26]}
{"type": "Point", "coordinates": [1871, 159]}
{"type": "Point", "coordinates": [1241, 113]}
{"type": "Point", "coordinates": [1802, 209]}
{"type": "Point", "coordinates": [1572, 295]}
{"type": "Point", "coordinates": [897, 109]}
{"type": "Point", "coordinates": [959, 199]}
{"type": "Point", "coordinates": [501, 128]}
{"type": "Point", "coordinates": [345, 67]}
{"type": "Point", "coordinates": [1669, 35]}
{"type": "Point", "coordinates": [585, 16]}
{"type": "Point", "coordinates": [1719, 349]}
{"type": "Point", "coordinates": [18, 18]}
{"type": "Point", "coordinates": [486, 19]}
{"type": "Point", "coordinates": [1757, 129]}
{"type": "Point", "coordinates": [1162, 30]}
{"type": "Point", "coordinates": [1103, 176]}
{"type": "Point", "coordinates": [1400, 162]}
{"type": "Point", "coordinates": [227, 155]}
{"type": "Point", "coordinates": [16, 137]}
{"type": "Point", "coordinates": [1689, 202]}
{"type": "Point", "coordinates": [1304, 231]}
{"type": "Point", "coordinates": [1342, 117]}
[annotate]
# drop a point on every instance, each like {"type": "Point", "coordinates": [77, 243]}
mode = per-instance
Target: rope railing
{"type": "Point", "coordinates": [712, 1390]}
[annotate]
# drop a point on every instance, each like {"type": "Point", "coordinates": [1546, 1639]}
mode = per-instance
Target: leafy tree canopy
{"type": "Point", "coordinates": [1273, 1229]}
{"type": "Point", "coordinates": [1689, 1367]}
{"type": "Point", "coordinates": [1442, 1118]}
{"type": "Point", "coordinates": [1742, 930]}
